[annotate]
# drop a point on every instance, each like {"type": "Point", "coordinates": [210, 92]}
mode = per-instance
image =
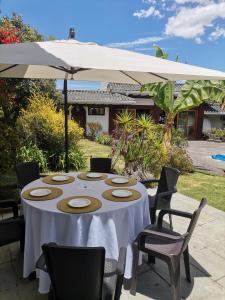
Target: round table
{"type": "Point", "coordinates": [114, 225]}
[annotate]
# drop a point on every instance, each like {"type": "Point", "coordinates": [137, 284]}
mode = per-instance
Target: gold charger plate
{"type": "Point", "coordinates": [63, 205]}
{"type": "Point", "coordinates": [84, 176]}
{"type": "Point", "coordinates": [55, 192]}
{"type": "Point", "coordinates": [49, 180]}
{"type": "Point", "coordinates": [108, 195]}
{"type": "Point", "coordinates": [131, 182]}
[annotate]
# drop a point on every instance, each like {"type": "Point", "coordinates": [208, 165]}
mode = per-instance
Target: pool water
{"type": "Point", "coordinates": [219, 157]}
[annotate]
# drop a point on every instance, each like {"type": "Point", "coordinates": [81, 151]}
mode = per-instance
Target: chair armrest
{"type": "Point", "coordinates": [168, 193]}
{"type": "Point", "coordinates": [40, 264]}
{"type": "Point", "coordinates": [147, 232]}
{"type": "Point", "coordinates": [150, 180]}
{"type": "Point", "coordinates": [10, 203]}
{"type": "Point", "coordinates": [174, 212]}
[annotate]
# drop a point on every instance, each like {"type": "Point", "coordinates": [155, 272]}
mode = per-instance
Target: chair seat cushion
{"type": "Point", "coordinates": [163, 244]}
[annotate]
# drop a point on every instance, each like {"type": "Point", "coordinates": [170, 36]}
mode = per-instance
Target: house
{"type": "Point", "coordinates": [103, 105]}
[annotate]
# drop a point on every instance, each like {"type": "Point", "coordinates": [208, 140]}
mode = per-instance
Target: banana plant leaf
{"type": "Point", "coordinates": [162, 94]}
{"type": "Point", "coordinates": [193, 93]}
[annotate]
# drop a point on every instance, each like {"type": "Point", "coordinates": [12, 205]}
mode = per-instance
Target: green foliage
{"type": "Point", "coordinates": [42, 124]}
{"type": "Point", "coordinates": [178, 138]}
{"type": "Point", "coordinates": [77, 160]}
{"type": "Point", "coordinates": [180, 160]}
{"type": "Point", "coordinates": [9, 142]}
{"type": "Point", "coordinates": [94, 128]}
{"type": "Point", "coordinates": [104, 139]}
{"type": "Point", "coordinates": [159, 52]}
{"type": "Point", "coordinates": [215, 134]}
{"type": "Point", "coordinates": [33, 153]}
{"type": "Point", "coordinates": [14, 93]}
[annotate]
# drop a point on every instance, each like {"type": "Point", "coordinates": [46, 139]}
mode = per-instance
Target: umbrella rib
{"type": "Point", "coordinates": [8, 68]}
{"type": "Point", "coordinates": [124, 73]}
{"type": "Point", "coordinates": [156, 75]}
{"type": "Point", "coordinates": [71, 71]}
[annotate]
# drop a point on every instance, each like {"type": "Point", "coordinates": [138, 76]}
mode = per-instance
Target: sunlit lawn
{"type": "Point", "coordinates": [195, 185]}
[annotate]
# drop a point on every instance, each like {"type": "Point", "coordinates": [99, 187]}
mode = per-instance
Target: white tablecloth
{"type": "Point", "coordinates": [114, 225]}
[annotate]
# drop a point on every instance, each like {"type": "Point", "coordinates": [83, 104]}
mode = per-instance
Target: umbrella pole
{"type": "Point", "coordinates": [66, 126]}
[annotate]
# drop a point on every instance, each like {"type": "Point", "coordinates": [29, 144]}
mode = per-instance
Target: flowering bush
{"type": "Point", "coordinates": [42, 125]}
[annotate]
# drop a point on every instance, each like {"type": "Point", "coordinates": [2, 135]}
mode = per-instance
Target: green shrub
{"type": "Point", "coordinates": [104, 139]}
{"type": "Point", "coordinates": [9, 141]}
{"type": "Point", "coordinates": [178, 138]}
{"type": "Point", "coordinates": [32, 153]}
{"type": "Point", "coordinates": [180, 160]}
{"type": "Point", "coordinates": [94, 128]}
{"type": "Point", "coordinates": [77, 160]}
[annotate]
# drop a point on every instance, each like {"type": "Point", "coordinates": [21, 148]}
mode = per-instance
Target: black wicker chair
{"type": "Point", "coordinates": [12, 229]}
{"type": "Point", "coordinates": [82, 273]}
{"type": "Point", "coordinates": [168, 246]}
{"type": "Point", "coordinates": [101, 164]}
{"type": "Point", "coordinates": [26, 173]}
{"type": "Point", "coordinates": [166, 188]}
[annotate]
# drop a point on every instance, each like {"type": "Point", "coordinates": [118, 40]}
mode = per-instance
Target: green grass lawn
{"type": "Point", "coordinates": [196, 185]}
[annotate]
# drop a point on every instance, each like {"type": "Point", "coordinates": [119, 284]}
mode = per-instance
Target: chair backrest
{"type": "Point", "coordinates": [101, 164]}
{"type": "Point", "coordinates": [75, 272]}
{"type": "Point", "coordinates": [193, 222]}
{"type": "Point", "coordinates": [168, 180]}
{"type": "Point", "coordinates": [27, 172]}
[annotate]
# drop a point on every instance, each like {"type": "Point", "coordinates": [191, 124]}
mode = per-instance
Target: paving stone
{"type": "Point", "coordinates": [221, 281]}
{"type": "Point", "coordinates": [8, 278]}
{"type": "Point", "coordinates": [213, 264]}
{"type": "Point", "coordinates": [5, 254]}
{"type": "Point", "coordinates": [11, 294]}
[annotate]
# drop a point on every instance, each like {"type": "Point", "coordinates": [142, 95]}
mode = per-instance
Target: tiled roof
{"type": "Point", "coordinates": [134, 89]}
{"type": "Point", "coordinates": [214, 108]}
{"type": "Point", "coordinates": [98, 97]}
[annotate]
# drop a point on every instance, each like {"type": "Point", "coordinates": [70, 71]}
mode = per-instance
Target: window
{"type": "Point", "coordinates": [96, 111]}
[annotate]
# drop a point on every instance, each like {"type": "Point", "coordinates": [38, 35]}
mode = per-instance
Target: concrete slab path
{"type": "Point", "coordinates": [201, 152]}
{"type": "Point", "coordinates": [207, 250]}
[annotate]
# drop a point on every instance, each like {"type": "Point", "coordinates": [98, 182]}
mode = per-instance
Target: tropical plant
{"type": "Point", "coordinates": [192, 94]}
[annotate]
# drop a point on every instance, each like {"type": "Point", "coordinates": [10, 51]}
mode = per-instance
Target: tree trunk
{"type": "Point", "coordinates": [167, 138]}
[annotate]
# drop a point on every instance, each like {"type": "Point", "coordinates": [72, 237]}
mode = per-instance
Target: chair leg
{"type": "Point", "coordinates": [174, 270]}
{"type": "Point", "coordinates": [171, 223]}
{"type": "Point", "coordinates": [134, 270]}
{"type": "Point", "coordinates": [187, 264]}
{"type": "Point", "coordinates": [152, 215]}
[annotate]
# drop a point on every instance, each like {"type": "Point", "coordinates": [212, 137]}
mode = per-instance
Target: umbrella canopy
{"type": "Point", "coordinates": [71, 59]}
{"type": "Point", "coordinates": [74, 60]}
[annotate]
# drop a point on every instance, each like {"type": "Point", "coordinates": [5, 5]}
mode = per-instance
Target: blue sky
{"type": "Point", "coordinates": [192, 29]}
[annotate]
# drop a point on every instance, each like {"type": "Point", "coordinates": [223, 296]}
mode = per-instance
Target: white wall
{"type": "Point", "coordinates": [103, 120]}
{"type": "Point", "coordinates": [213, 121]}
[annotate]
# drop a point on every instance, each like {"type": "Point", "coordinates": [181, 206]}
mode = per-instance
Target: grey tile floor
{"type": "Point", "coordinates": [207, 250]}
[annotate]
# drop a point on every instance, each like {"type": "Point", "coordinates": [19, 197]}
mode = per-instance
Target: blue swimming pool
{"type": "Point", "coordinates": [219, 157]}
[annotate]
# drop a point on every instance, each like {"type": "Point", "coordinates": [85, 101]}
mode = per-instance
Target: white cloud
{"type": "Point", "coordinates": [218, 33]}
{"type": "Point", "coordinates": [201, 2]}
{"type": "Point", "coordinates": [138, 42]}
{"type": "Point", "coordinates": [192, 22]}
{"type": "Point", "coordinates": [198, 40]}
{"type": "Point", "coordinates": [145, 13]}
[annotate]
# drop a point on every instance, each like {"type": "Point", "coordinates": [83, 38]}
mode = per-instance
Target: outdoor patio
{"type": "Point", "coordinates": [207, 251]}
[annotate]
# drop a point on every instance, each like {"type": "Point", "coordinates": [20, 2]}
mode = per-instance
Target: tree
{"type": "Point", "coordinates": [192, 94]}
{"type": "Point", "coordinates": [14, 93]}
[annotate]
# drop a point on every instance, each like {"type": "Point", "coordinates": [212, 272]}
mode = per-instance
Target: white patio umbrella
{"type": "Point", "coordinates": [74, 60]}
